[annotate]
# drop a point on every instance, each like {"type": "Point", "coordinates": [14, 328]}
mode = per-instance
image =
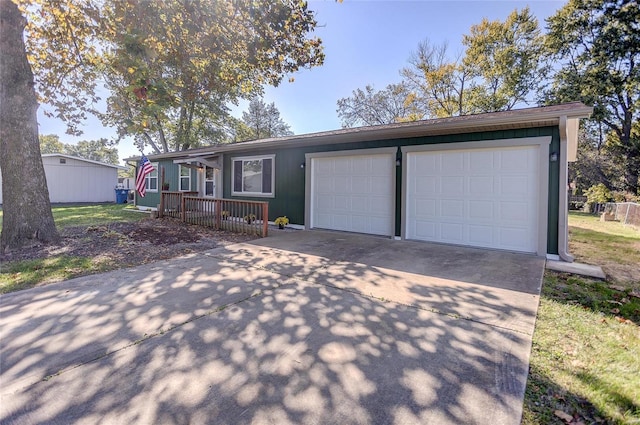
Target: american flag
{"type": "Point", "coordinates": [144, 168]}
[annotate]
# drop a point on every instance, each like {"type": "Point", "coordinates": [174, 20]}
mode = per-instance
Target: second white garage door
{"type": "Point", "coordinates": [476, 197]}
{"type": "Point", "coordinates": [354, 193]}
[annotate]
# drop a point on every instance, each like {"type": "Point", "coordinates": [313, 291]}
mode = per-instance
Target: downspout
{"type": "Point", "coordinates": [563, 202]}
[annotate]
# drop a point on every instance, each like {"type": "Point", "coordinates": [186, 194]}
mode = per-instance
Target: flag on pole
{"type": "Point", "coordinates": [144, 168]}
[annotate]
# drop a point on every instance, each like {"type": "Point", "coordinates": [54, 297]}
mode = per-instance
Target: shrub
{"type": "Point", "coordinates": [598, 194]}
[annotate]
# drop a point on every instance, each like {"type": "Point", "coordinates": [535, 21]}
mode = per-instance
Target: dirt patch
{"type": "Point", "coordinates": [131, 244]}
{"type": "Point", "coordinates": [618, 264]}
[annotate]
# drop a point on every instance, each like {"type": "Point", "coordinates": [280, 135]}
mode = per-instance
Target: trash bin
{"type": "Point", "coordinates": [121, 196]}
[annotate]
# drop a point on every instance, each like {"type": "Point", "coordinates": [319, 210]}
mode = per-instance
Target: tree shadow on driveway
{"type": "Point", "coordinates": [233, 337]}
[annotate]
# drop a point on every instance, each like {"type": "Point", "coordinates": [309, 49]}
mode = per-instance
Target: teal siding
{"type": "Point", "coordinates": [171, 170]}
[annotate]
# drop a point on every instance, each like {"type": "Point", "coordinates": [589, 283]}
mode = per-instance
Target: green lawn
{"type": "Point", "coordinates": [585, 359]}
{"type": "Point", "coordinates": [17, 275]}
{"type": "Point", "coordinates": [91, 215]}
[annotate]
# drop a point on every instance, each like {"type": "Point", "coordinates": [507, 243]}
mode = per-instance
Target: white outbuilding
{"type": "Point", "coordinates": [71, 179]}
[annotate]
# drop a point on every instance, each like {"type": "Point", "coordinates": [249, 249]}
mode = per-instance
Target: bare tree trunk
{"type": "Point", "coordinates": [27, 216]}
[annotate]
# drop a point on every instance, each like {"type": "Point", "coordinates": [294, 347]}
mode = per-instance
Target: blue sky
{"type": "Point", "coordinates": [365, 42]}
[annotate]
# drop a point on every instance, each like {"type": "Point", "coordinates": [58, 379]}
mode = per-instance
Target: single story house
{"type": "Point", "coordinates": [72, 179]}
{"type": "Point", "coordinates": [494, 180]}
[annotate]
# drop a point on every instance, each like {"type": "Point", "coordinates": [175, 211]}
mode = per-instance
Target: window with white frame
{"type": "Point", "coordinates": [253, 176]}
{"type": "Point", "coordinates": [151, 179]}
{"type": "Point", "coordinates": [210, 181]}
{"type": "Point", "coordinates": [185, 179]}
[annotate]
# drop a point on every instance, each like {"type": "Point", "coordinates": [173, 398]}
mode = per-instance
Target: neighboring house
{"type": "Point", "coordinates": [495, 180]}
{"type": "Point", "coordinates": [72, 179]}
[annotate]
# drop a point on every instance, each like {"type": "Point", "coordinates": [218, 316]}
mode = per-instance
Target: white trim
{"type": "Point", "coordinates": [309, 165]}
{"type": "Point", "coordinates": [180, 177]}
{"type": "Point", "coordinates": [563, 201]}
{"type": "Point", "coordinates": [147, 178]}
{"type": "Point", "coordinates": [271, 194]}
{"type": "Point", "coordinates": [543, 168]}
{"type": "Point", "coordinates": [553, 257]}
{"type": "Point", "coordinates": [51, 155]}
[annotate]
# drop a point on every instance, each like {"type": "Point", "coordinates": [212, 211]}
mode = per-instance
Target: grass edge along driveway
{"type": "Point", "coordinates": [585, 359]}
{"type": "Point", "coordinates": [18, 275]}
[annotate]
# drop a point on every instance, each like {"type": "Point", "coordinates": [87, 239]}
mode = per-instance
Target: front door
{"type": "Point", "coordinates": [210, 182]}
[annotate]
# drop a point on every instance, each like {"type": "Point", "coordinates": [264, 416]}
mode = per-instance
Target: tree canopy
{"type": "Point", "coordinates": [371, 107]}
{"type": "Point", "coordinates": [170, 68]}
{"type": "Point", "coordinates": [506, 59]}
{"type": "Point", "coordinates": [261, 121]}
{"type": "Point", "coordinates": [598, 44]}
{"type": "Point", "coordinates": [100, 150]}
{"type": "Point", "coordinates": [500, 68]}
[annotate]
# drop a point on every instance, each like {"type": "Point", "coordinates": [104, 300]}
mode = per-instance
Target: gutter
{"type": "Point", "coordinates": [563, 202]}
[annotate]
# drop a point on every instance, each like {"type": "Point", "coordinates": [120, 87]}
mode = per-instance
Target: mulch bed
{"type": "Point", "coordinates": [131, 244]}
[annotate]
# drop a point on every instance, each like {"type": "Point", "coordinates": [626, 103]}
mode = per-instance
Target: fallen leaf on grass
{"type": "Point", "coordinates": [617, 288]}
{"type": "Point", "coordinates": [564, 416]}
{"type": "Point", "coordinates": [623, 320]}
{"type": "Point", "coordinates": [615, 310]}
{"type": "Point", "coordinates": [635, 293]}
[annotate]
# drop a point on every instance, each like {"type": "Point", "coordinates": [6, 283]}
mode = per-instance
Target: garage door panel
{"type": "Point", "coordinates": [452, 208]}
{"type": "Point", "coordinates": [513, 211]}
{"type": "Point", "coordinates": [362, 193]}
{"type": "Point", "coordinates": [515, 161]}
{"type": "Point", "coordinates": [452, 164]}
{"type": "Point", "coordinates": [425, 207]}
{"type": "Point", "coordinates": [453, 185]}
{"type": "Point", "coordinates": [481, 210]}
{"type": "Point", "coordinates": [341, 184]}
{"type": "Point", "coordinates": [452, 231]}
{"type": "Point", "coordinates": [481, 235]}
{"type": "Point", "coordinates": [514, 238]}
{"type": "Point", "coordinates": [425, 229]}
{"type": "Point", "coordinates": [480, 197]}
{"type": "Point", "coordinates": [359, 204]}
{"type": "Point", "coordinates": [324, 184]}
{"type": "Point", "coordinates": [378, 164]}
{"type": "Point", "coordinates": [481, 161]}
{"type": "Point", "coordinates": [342, 166]}
{"type": "Point", "coordinates": [481, 186]}
{"type": "Point", "coordinates": [517, 186]}
{"type": "Point", "coordinates": [379, 207]}
{"type": "Point", "coordinates": [381, 184]}
{"type": "Point", "coordinates": [360, 184]}
{"type": "Point", "coordinates": [425, 185]}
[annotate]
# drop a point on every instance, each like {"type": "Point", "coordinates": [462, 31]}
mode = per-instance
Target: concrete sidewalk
{"type": "Point", "coordinates": [253, 333]}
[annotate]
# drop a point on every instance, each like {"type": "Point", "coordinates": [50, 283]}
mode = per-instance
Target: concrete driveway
{"type": "Point", "coordinates": [301, 327]}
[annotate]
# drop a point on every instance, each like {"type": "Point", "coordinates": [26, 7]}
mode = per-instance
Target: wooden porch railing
{"type": "Point", "coordinates": [171, 203]}
{"type": "Point", "coordinates": [238, 216]}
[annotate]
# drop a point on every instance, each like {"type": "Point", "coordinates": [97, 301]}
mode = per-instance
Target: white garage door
{"type": "Point", "coordinates": [475, 197]}
{"type": "Point", "coordinates": [353, 193]}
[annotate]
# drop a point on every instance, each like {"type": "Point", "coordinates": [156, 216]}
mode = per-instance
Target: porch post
{"type": "Point", "coordinates": [265, 219]}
